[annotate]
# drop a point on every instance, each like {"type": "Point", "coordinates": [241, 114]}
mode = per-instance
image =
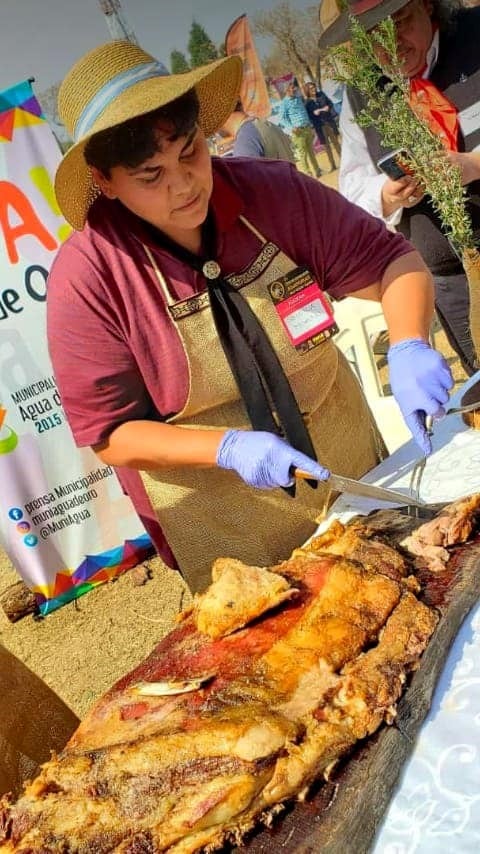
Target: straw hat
{"type": "Point", "coordinates": [117, 82]}
{"type": "Point", "coordinates": [369, 13]}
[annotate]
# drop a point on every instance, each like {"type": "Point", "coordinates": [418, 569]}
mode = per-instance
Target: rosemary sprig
{"type": "Point", "coordinates": [363, 64]}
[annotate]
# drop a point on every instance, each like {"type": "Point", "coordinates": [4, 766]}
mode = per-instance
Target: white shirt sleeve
{"type": "Point", "coordinates": [359, 180]}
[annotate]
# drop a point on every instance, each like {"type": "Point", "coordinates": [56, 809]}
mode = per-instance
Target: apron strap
{"type": "Point", "coordinates": [161, 278]}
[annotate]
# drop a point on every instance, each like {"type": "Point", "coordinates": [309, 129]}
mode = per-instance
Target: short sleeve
{"type": "Point", "coordinates": [349, 248]}
{"type": "Point", "coordinates": [98, 379]}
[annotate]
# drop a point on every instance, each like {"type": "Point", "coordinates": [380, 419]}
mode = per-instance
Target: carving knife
{"type": "Point", "coordinates": [368, 490]}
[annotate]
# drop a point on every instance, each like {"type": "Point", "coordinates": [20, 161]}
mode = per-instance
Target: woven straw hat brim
{"type": "Point", "coordinates": [217, 86]}
{"type": "Point", "coordinates": [339, 31]}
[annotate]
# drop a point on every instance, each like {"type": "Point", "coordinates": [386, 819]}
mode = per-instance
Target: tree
{"type": "Point", "coordinates": [200, 46]}
{"type": "Point", "coordinates": [178, 62]}
{"type": "Point", "coordinates": [295, 34]}
{"type": "Point", "coordinates": [275, 64]}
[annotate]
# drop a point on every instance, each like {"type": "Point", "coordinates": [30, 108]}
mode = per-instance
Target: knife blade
{"type": "Point", "coordinates": [368, 490]}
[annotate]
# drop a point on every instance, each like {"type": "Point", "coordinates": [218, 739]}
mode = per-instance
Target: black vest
{"type": "Point", "coordinates": [457, 75]}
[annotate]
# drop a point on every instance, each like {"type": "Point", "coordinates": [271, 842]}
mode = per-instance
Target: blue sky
{"type": "Point", "coordinates": [43, 38]}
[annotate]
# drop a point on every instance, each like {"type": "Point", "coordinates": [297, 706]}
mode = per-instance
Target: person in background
{"type": "Point", "coordinates": [438, 44]}
{"type": "Point", "coordinates": [294, 117]}
{"type": "Point", "coordinates": [187, 323]}
{"type": "Point", "coordinates": [323, 118]}
{"type": "Point", "coordinates": [257, 137]}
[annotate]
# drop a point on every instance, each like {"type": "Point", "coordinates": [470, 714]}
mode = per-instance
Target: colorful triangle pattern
{"type": "Point", "coordinates": [18, 108]}
{"type": "Point", "coordinates": [93, 570]}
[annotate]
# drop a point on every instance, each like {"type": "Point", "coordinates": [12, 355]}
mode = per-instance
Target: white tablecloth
{"type": "Point", "coordinates": [436, 808]}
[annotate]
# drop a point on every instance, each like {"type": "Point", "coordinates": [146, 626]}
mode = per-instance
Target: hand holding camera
{"type": "Point", "coordinates": [402, 189]}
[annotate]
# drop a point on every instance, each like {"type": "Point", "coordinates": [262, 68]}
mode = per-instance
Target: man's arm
{"type": "Point", "coordinates": [359, 179]}
{"type": "Point", "coordinates": [284, 116]}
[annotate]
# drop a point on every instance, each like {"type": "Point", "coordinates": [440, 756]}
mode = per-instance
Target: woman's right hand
{"type": "Point", "coordinates": [404, 193]}
{"type": "Point", "coordinates": [264, 460]}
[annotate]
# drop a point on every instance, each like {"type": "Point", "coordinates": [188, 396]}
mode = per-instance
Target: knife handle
{"type": "Point", "coordinates": [303, 475]}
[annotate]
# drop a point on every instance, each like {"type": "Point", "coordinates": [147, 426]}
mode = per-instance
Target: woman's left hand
{"type": "Point", "coordinates": [469, 164]}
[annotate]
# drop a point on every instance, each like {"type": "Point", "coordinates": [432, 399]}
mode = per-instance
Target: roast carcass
{"type": "Point", "coordinates": [218, 727]}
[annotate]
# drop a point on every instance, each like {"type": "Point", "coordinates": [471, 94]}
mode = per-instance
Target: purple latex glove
{"type": "Point", "coordinates": [420, 380]}
{"type": "Point", "coordinates": [264, 460]}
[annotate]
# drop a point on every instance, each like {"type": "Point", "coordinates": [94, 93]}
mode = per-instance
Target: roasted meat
{"type": "Point", "coordinates": [357, 542]}
{"type": "Point", "coordinates": [454, 524]}
{"type": "Point", "coordinates": [280, 702]}
{"type": "Point", "coordinates": [237, 595]}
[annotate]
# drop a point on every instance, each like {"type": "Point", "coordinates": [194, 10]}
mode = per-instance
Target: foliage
{"type": "Point", "coordinates": [370, 63]}
{"type": "Point", "coordinates": [295, 35]}
{"type": "Point", "coordinates": [178, 62]}
{"type": "Point", "coordinates": [274, 64]}
{"type": "Point", "coordinates": [200, 46]}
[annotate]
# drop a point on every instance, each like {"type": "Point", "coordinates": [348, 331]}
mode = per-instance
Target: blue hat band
{"type": "Point", "coordinates": [118, 84]}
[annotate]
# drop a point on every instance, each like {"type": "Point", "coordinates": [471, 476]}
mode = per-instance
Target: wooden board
{"type": "Point", "coordinates": [343, 815]}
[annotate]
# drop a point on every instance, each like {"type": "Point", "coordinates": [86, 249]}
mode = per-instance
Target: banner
{"type": "Point", "coordinates": [253, 93]}
{"type": "Point", "coordinates": [64, 520]}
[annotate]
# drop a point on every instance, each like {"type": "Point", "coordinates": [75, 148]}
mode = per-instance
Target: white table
{"type": "Point", "coordinates": [436, 808]}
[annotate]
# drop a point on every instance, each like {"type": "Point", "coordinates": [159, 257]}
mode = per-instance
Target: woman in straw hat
{"type": "Point", "coordinates": [186, 319]}
{"type": "Point", "coordinates": [438, 43]}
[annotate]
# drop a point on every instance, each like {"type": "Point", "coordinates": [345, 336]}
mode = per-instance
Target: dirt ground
{"type": "Point", "coordinates": [82, 648]}
{"type": "Point", "coordinates": [85, 646]}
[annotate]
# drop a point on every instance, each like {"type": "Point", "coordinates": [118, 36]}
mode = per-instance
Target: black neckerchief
{"type": "Point", "coordinates": [260, 378]}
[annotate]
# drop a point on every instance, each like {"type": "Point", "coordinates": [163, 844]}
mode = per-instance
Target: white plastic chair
{"type": "Point", "coordinates": [359, 322]}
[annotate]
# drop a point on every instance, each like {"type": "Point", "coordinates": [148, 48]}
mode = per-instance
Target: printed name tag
{"type": "Point", "coordinates": [469, 120]}
{"type": "Point", "coordinates": [303, 309]}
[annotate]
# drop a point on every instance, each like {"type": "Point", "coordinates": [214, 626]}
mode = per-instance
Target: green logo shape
{"type": "Point", "coordinates": [9, 443]}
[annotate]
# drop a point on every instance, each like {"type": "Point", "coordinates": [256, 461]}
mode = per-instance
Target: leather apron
{"type": "Point", "coordinates": [207, 513]}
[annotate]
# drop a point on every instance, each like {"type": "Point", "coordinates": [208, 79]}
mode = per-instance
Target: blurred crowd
{"type": "Point", "coordinates": [304, 123]}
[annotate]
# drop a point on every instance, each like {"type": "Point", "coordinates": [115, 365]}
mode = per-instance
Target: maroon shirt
{"type": "Point", "coordinates": [115, 351]}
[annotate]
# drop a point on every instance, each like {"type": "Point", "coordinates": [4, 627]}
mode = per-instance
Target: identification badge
{"type": "Point", "coordinates": [304, 310]}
